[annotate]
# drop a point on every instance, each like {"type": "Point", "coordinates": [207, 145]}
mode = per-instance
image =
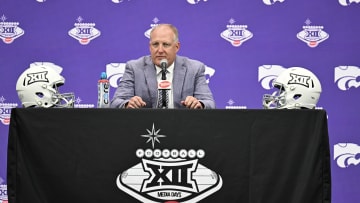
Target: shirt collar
{"type": "Point", "coordinates": [170, 69]}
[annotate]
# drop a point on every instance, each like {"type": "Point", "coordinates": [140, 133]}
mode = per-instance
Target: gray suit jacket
{"type": "Point", "coordinates": [140, 80]}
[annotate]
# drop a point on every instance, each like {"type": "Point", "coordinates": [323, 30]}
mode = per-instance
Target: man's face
{"type": "Point", "coordinates": [162, 45]}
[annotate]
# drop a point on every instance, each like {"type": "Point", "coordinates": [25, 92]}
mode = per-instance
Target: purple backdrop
{"type": "Point", "coordinates": [245, 44]}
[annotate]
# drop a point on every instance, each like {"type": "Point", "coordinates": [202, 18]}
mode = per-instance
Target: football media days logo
{"type": "Point", "coordinates": [84, 32]}
{"type": "Point", "coordinates": [174, 175]}
{"type": "Point", "coordinates": [5, 111]}
{"type": "Point", "coordinates": [312, 35]}
{"type": "Point", "coordinates": [236, 34]}
{"type": "Point", "coordinates": [3, 193]}
{"type": "Point", "coordinates": [9, 31]}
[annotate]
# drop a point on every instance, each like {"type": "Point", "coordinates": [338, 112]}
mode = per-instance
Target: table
{"type": "Point", "coordinates": [156, 155]}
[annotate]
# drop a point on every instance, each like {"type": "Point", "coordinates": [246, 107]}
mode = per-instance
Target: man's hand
{"type": "Point", "coordinates": [135, 103]}
{"type": "Point", "coordinates": [192, 103]}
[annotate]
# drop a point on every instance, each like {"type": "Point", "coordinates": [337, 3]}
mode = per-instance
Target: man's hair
{"type": "Point", "coordinates": [173, 28]}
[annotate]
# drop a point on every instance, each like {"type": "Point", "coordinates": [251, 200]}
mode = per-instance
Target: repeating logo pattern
{"type": "Point", "coordinates": [82, 106]}
{"type": "Point", "coordinates": [348, 2]}
{"type": "Point", "coordinates": [195, 1]}
{"type": "Point", "coordinates": [118, 1]}
{"type": "Point", "coordinates": [231, 105]}
{"type": "Point", "coordinates": [9, 31]}
{"type": "Point", "coordinates": [347, 154]}
{"type": "Point", "coordinates": [168, 175]}
{"type": "Point", "coordinates": [121, 1]}
{"type": "Point", "coordinates": [3, 194]}
{"type": "Point", "coordinates": [271, 2]}
{"type": "Point", "coordinates": [312, 35]}
{"type": "Point", "coordinates": [236, 34]}
{"type": "Point", "coordinates": [84, 32]}
{"type": "Point", "coordinates": [347, 77]}
{"type": "Point", "coordinates": [115, 71]}
{"type": "Point", "coordinates": [5, 110]}
{"type": "Point", "coordinates": [147, 32]}
{"type": "Point", "coordinates": [267, 74]}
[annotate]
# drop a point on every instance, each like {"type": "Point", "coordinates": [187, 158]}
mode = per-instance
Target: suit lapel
{"type": "Point", "coordinates": [178, 79]}
{"type": "Point", "coordinates": [151, 81]}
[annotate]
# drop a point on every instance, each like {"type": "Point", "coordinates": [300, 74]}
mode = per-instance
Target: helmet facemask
{"type": "Point", "coordinates": [65, 100]}
{"type": "Point", "coordinates": [275, 100]}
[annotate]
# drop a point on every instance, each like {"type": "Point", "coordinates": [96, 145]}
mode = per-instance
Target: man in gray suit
{"type": "Point", "coordinates": [138, 87]}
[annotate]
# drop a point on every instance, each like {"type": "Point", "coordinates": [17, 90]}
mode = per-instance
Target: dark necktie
{"type": "Point", "coordinates": [163, 101]}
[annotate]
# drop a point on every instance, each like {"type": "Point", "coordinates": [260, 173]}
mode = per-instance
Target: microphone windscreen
{"type": "Point", "coordinates": [163, 63]}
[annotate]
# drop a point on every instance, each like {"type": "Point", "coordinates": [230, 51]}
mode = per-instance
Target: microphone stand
{"type": "Point", "coordinates": [163, 77]}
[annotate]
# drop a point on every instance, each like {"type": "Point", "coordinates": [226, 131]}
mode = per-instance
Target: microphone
{"type": "Point", "coordinates": [163, 65]}
{"type": "Point", "coordinates": [164, 85]}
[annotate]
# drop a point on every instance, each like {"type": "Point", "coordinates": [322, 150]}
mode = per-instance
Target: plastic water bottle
{"type": "Point", "coordinates": [103, 92]}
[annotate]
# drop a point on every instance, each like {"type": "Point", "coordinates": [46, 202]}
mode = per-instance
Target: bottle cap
{"type": "Point", "coordinates": [103, 75]}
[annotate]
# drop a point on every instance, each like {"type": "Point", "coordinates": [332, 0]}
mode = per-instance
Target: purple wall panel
{"type": "Point", "coordinates": [272, 33]}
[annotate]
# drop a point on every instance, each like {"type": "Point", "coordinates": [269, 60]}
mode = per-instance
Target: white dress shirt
{"type": "Point", "coordinates": [169, 77]}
